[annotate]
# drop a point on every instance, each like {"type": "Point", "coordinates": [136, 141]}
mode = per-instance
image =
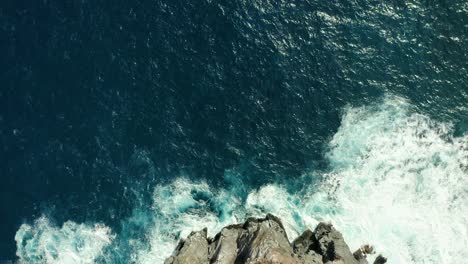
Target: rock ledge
{"type": "Point", "coordinates": [264, 240]}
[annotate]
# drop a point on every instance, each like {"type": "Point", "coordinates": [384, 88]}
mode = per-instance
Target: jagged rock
{"type": "Point", "coordinates": [331, 245]}
{"type": "Point", "coordinates": [380, 260]}
{"type": "Point", "coordinates": [192, 250]}
{"type": "Point", "coordinates": [362, 252]}
{"type": "Point", "coordinates": [303, 246]}
{"type": "Point", "coordinates": [223, 249]}
{"type": "Point", "coordinates": [264, 240]}
{"type": "Point", "coordinates": [311, 257]}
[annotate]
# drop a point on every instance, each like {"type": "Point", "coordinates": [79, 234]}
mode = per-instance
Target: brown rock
{"type": "Point", "coordinates": [264, 240]}
{"type": "Point", "coordinates": [192, 250]}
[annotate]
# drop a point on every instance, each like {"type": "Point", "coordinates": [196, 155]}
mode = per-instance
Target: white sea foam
{"type": "Point", "coordinates": [400, 182]}
{"type": "Point", "coordinates": [397, 180]}
{"type": "Point", "coordinates": [72, 243]}
{"type": "Point", "coordinates": [182, 207]}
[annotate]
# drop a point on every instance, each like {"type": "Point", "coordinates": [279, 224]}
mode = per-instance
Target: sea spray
{"type": "Point", "coordinates": [43, 242]}
{"type": "Point", "coordinates": [399, 180]}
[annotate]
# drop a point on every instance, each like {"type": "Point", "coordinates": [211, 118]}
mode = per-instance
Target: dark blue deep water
{"type": "Point", "coordinates": [125, 124]}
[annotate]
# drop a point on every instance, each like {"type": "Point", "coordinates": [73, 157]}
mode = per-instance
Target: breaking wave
{"type": "Point", "coordinates": [397, 180]}
{"type": "Point", "coordinates": [43, 242]}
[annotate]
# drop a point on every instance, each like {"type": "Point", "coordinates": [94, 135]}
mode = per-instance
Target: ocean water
{"type": "Point", "coordinates": [125, 125]}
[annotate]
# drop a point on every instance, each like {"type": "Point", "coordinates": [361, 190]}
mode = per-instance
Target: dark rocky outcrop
{"type": "Point", "coordinates": [264, 240]}
{"type": "Point", "coordinates": [380, 260]}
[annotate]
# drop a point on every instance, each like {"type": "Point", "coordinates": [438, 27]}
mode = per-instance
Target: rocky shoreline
{"type": "Point", "coordinates": [264, 240]}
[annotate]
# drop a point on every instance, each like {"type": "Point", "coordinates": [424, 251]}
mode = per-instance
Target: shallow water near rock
{"type": "Point", "coordinates": [126, 125]}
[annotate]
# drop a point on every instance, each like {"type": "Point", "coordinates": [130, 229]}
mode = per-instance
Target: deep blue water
{"type": "Point", "coordinates": [106, 107]}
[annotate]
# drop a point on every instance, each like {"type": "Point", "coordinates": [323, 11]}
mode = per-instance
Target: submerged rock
{"type": "Point", "coordinates": [264, 240]}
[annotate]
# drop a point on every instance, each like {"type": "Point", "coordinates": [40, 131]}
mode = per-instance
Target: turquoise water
{"type": "Point", "coordinates": [126, 125]}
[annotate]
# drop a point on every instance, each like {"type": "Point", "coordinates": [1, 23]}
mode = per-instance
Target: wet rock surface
{"type": "Point", "coordinates": [264, 240]}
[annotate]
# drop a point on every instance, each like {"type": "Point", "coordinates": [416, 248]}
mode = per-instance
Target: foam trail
{"type": "Point", "coordinates": [72, 243]}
